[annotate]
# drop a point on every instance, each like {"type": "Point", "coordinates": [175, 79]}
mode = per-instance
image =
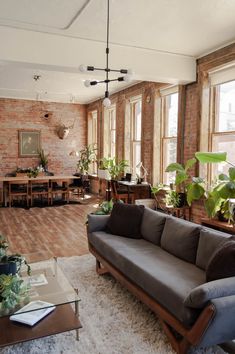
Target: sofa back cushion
{"type": "Point", "coordinates": [180, 238]}
{"type": "Point", "coordinates": [209, 241]}
{"type": "Point", "coordinates": [125, 220]}
{"type": "Point", "coordinates": [222, 262]}
{"type": "Point", "coordinates": [152, 225]}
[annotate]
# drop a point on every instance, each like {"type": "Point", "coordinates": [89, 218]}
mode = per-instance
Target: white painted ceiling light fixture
{"type": "Point", "coordinates": [126, 78]}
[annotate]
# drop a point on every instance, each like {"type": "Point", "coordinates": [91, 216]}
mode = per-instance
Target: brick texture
{"type": "Point", "coordinates": [29, 115]}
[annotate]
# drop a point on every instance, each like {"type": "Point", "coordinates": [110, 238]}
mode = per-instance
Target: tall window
{"type": "Point", "coordinates": [133, 122]}
{"type": "Point", "coordinates": [169, 109]}
{"type": "Point", "coordinates": [110, 131]}
{"type": "Point", "coordinates": [92, 135]}
{"type": "Point", "coordinates": [223, 124]}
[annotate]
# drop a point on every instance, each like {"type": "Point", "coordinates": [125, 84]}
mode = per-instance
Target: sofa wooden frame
{"type": "Point", "coordinates": [188, 336]}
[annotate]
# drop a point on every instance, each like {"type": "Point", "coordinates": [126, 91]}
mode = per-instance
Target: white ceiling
{"type": "Point", "coordinates": [156, 32]}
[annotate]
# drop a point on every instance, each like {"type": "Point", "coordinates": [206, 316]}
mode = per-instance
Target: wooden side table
{"type": "Point", "coordinates": [218, 225]}
{"type": "Point", "coordinates": [183, 212]}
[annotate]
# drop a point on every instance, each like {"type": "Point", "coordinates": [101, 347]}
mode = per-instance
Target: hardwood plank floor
{"type": "Point", "coordinates": [42, 233]}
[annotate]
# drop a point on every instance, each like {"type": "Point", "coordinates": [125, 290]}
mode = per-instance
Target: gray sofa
{"type": "Point", "coordinates": [166, 269]}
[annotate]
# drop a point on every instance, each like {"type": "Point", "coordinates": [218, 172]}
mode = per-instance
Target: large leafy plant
{"type": "Point", "coordinates": [192, 186]}
{"type": "Point", "coordinates": [224, 188]}
{"type": "Point", "coordinates": [114, 167]}
{"type": "Point", "coordinates": [87, 157]}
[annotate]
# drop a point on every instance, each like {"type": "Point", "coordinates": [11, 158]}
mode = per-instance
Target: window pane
{"type": "Point", "coordinates": [171, 122]}
{"type": "Point", "coordinates": [112, 120]}
{"type": "Point", "coordinates": [223, 143]}
{"type": "Point", "coordinates": [169, 156]}
{"type": "Point", "coordinates": [113, 143]}
{"type": "Point", "coordinates": [136, 157]}
{"type": "Point", "coordinates": [226, 107]}
{"type": "Point", "coordinates": [137, 108]}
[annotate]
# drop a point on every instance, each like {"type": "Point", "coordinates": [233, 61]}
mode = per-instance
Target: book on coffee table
{"type": "Point", "coordinates": [32, 312]}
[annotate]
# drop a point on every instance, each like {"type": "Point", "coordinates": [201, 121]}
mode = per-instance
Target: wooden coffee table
{"type": "Point", "coordinates": [57, 291]}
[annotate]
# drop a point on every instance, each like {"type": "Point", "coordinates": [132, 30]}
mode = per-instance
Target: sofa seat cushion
{"type": "Point", "coordinates": [180, 238]}
{"type": "Point", "coordinates": [161, 275]}
{"type": "Point", "coordinates": [152, 225]}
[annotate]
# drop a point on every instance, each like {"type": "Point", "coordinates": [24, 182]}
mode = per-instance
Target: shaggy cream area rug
{"type": "Point", "coordinates": [114, 322]}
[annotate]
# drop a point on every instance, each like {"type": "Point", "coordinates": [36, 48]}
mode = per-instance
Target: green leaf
{"type": "Point", "coordinates": [211, 157]}
{"type": "Point", "coordinates": [231, 172]}
{"type": "Point", "coordinates": [197, 179]}
{"type": "Point", "coordinates": [223, 177]}
{"type": "Point", "coordinates": [190, 163]}
{"type": "Point", "coordinates": [194, 192]}
{"type": "Point", "coordinates": [180, 177]}
{"type": "Point", "coordinates": [173, 167]}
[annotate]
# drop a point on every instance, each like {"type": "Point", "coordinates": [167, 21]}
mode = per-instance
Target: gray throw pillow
{"type": "Point", "coordinates": [180, 238]}
{"type": "Point", "coordinates": [152, 225]}
{"type": "Point", "coordinates": [222, 263]}
{"type": "Point", "coordinates": [125, 220]}
{"type": "Point", "coordinates": [209, 242]}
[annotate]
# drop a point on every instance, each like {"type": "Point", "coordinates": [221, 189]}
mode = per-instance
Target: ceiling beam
{"type": "Point", "coordinates": [63, 53]}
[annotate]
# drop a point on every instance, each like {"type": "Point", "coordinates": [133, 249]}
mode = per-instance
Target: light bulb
{"type": "Point", "coordinates": [127, 78]}
{"type": "Point", "coordinates": [106, 102]}
{"type": "Point", "coordinates": [87, 83]}
{"type": "Point", "coordinates": [82, 68]}
{"type": "Point", "coordinates": [130, 72]}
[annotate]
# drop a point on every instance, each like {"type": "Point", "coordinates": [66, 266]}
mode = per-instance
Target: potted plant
{"type": "Point", "coordinates": [13, 291]}
{"type": "Point", "coordinates": [113, 166]}
{"type": "Point", "coordinates": [10, 264]}
{"type": "Point", "coordinates": [189, 188]}
{"type": "Point", "coordinates": [159, 192]}
{"type": "Point", "coordinates": [223, 189]}
{"type": "Point", "coordinates": [87, 157]}
{"type": "Point", "coordinates": [104, 208]}
{"type": "Point", "coordinates": [43, 159]}
{"type": "Point", "coordinates": [172, 199]}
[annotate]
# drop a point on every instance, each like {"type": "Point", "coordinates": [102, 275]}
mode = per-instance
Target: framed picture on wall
{"type": "Point", "coordinates": [29, 143]}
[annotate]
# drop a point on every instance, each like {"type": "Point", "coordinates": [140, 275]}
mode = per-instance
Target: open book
{"type": "Point", "coordinates": [37, 310]}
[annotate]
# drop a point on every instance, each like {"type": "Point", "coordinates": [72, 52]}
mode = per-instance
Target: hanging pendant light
{"type": "Point", "coordinates": [128, 72]}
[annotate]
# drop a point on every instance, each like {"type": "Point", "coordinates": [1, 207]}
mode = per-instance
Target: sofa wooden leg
{"type": "Point", "coordinates": [100, 269]}
{"type": "Point", "coordinates": [181, 346]}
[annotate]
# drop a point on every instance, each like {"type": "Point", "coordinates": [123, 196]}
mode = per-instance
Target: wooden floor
{"type": "Point", "coordinates": [42, 233]}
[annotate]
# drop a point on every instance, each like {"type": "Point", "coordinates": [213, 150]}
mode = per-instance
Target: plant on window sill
{"type": "Point", "coordinates": [217, 199]}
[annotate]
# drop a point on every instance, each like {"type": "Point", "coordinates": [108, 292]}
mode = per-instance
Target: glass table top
{"type": "Point", "coordinates": [47, 283]}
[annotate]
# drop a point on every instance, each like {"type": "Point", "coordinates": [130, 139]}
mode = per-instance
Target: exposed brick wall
{"type": "Point", "coordinates": [24, 114]}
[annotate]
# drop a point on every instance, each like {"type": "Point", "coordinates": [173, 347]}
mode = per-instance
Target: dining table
{"type": "Point", "coordinates": [56, 178]}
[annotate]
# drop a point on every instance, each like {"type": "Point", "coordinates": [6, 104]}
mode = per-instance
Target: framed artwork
{"type": "Point", "coordinates": [29, 143]}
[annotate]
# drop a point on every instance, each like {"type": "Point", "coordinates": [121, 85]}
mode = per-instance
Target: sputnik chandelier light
{"type": "Point", "coordinates": [128, 72]}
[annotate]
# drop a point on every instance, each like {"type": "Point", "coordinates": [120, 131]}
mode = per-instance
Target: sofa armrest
{"type": "Point", "coordinates": [222, 326]}
{"type": "Point", "coordinates": [97, 222]}
{"type": "Point", "coordinates": [206, 292]}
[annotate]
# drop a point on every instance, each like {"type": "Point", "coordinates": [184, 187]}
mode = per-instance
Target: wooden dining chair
{"type": "Point", "coordinates": [77, 187]}
{"type": "Point", "coordinates": [60, 187]}
{"type": "Point", "coordinates": [18, 190]}
{"type": "Point", "coordinates": [39, 188]}
{"type": "Point", "coordinates": [121, 194]}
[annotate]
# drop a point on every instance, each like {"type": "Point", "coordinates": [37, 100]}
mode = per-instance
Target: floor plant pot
{"type": "Point", "coordinates": [182, 200]}
{"type": "Point", "coordinates": [8, 268]}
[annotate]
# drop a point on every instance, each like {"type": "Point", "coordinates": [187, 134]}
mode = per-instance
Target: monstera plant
{"type": "Point", "coordinates": [224, 188]}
